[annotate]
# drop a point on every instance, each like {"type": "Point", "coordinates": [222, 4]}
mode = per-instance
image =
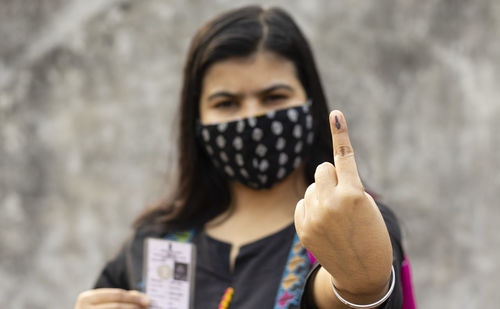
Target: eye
{"type": "Point", "coordinates": [226, 104]}
{"type": "Point", "coordinates": [275, 98]}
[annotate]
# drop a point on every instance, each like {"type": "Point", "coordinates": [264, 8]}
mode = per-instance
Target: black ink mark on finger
{"type": "Point", "coordinates": [337, 123]}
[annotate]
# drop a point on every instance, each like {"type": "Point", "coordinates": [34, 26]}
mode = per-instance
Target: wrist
{"type": "Point", "coordinates": [361, 284]}
{"type": "Point", "coordinates": [373, 304]}
{"type": "Point", "coordinates": [354, 291]}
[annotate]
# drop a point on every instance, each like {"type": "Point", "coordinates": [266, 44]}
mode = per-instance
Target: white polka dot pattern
{"type": "Point", "coordinates": [297, 131]}
{"type": "Point", "coordinates": [309, 122]}
{"type": "Point", "coordinates": [221, 141]}
{"type": "Point", "coordinates": [264, 165]}
{"type": "Point", "coordinates": [239, 159]}
{"type": "Point", "coordinates": [238, 143]}
{"type": "Point", "coordinates": [229, 170]}
{"type": "Point", "coordinates": [298, 147]}
{"type": "Point", "coordinates": [206, 135]}
{"type": "Point", "coordinates": [283, 158]}
{"type": "Point", "coordinates": [260, 151]}
{"type": "Point", "coordinates": [281, 173]}
{"type": "Point", "coordinates": [209, 150]}
{"type": "Point", "coordinates": [262, 178]}
{"type": "Point", "coordinates": [293, 115]}
{"type": "Point", "coordinates": [222, 126]}
{"type": "Point", "coordinates": [223, 156]}
{"type": "Point", "coordinates": [277, 127]}
{"type": "Point", "coordinates": [280, 143]}
{"type": "Point", "coordinates": [297, 162]}
{"type": "Point", "coordinates": [310, 138]}
{"type": "Point", "coordinates": [257, 134]}
{"type": "Point", "coordinates": [244, 172]}
{"type": "Point", "coordinates": [240, 126]}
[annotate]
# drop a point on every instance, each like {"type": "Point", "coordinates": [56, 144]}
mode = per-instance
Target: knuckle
{"type": "Point", "coordinates": [299, 203]}
{"type": "Point", "coordinates": [310, 190]}
{"type": "Point", "coordinates": [312, 230]}
{"type": "Point", "coordinates": [343, 151]}
{"type": "Point", "coordinates": [121, 296]}
{"type": "Point", "coordinates": [134, 296]}
{"type": "Point", "coordinates": [326, 199]}
{"type": "Point", "coordinates": [83, 296]}
{"type": "Point", "coordinates": [329, 201]}
{"type": "Point", "coordinates": [352, 195]}
{"type": "Point", "coordinates": [305, 237]}
{"type": "Point", "coordinates": [316, 222]}
{"type": "Point", "coordinates": [322, 169]}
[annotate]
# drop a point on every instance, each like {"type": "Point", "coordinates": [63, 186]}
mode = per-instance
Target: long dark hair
{"type": "Point", "coordinates": [202, 193]}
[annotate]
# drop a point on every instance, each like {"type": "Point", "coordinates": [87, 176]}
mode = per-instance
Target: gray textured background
{"type": "Point", "coordinates": [88, 91]}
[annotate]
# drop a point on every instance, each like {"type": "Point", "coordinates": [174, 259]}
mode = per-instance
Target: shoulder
{"type": "Point", "coordinates": [123, 270]}
{"type": "Point", "coordinates": [135, 242]}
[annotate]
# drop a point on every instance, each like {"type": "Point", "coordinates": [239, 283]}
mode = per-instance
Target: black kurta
{"type": "Point", "coordinates": [256, 275]}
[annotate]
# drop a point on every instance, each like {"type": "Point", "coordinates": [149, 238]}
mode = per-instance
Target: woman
{"type": "Point", "coordinates": [257, 184]}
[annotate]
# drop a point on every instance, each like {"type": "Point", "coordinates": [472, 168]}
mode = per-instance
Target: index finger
{"type": "Point", "coordinates": [106, 295]}
{"type": "Point", "coordinates": [343, 154]}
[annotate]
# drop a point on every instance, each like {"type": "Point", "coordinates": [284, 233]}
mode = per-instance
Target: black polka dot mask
{"type": "Point", "coordinates": [260, 151]}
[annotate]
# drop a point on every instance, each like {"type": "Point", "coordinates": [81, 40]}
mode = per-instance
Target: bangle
{"type": "Point", "coordinates": [372, 305]}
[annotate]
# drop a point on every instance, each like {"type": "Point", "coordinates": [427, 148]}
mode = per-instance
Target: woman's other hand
{"type": "Point", "coordinates": [112, 298]}
{"type": "Point", "coordinates": [340, 224]}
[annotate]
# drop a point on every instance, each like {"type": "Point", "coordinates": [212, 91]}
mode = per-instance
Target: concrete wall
{"type": "Point", "coordinates": [88, 91]}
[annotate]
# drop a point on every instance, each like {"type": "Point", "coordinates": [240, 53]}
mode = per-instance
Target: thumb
{"type": "Point", "coordinates": [299, 216]}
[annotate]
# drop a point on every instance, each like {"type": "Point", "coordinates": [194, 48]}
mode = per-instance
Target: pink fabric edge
{"type": "Point", "coordinates": [408, 298]}
{"type": "Point", "coordinates": [311, 257]}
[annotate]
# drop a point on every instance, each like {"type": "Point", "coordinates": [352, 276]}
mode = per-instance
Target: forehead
{"type": "Point", "coordinates": [249, 73]}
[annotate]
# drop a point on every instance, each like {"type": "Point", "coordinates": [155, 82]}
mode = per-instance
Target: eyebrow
{"type": "Point", "coordinates": [260, 93]}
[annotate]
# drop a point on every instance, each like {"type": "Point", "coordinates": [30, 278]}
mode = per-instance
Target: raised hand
{"type": "Point", "coordinates": [340, 224]}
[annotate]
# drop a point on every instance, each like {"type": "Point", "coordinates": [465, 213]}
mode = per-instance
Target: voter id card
{"type": "Point", "coordinates": [169, 273]}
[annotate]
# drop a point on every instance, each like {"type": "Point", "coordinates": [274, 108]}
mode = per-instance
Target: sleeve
{"type": "Point", "coordinates": [307, 301]}
{"type": "Point", "coordinates": [395, 301]}
{"type": "Point", "coordinates": [125, 271]}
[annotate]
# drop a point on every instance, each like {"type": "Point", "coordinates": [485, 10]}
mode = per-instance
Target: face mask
{"type": "Point", "coordinates": [260, 151]}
